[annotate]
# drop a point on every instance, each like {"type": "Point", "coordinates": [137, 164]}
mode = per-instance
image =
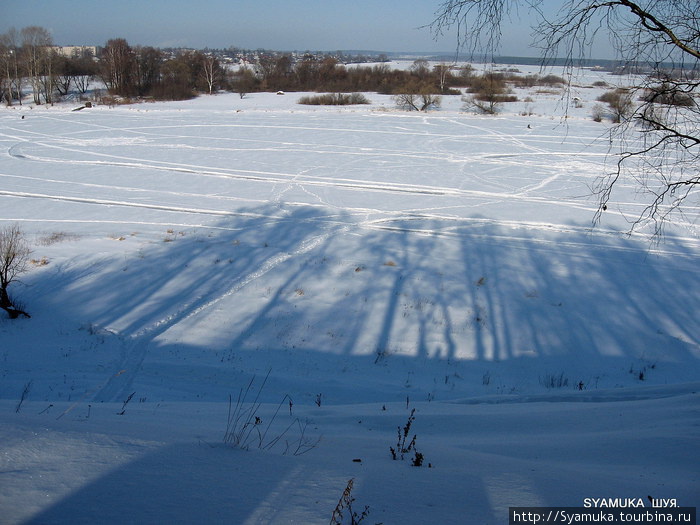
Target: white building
{"type": "Point", "coordinates": [69, 51]}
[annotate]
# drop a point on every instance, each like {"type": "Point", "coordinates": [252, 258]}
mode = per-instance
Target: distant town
{"type": "Point", "coordinates": [31, 62]}
{"type": "Point", "coordinates": [236, 55]}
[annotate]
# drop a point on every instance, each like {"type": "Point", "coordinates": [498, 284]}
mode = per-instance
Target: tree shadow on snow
{"type": "Point", "coordinates": [360, 312]}
{"type": "Point", "coordinates": [430, 306]}
{"type": "Point", "coordinates": [177, 483]}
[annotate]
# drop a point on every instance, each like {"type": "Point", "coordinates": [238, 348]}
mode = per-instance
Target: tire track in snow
{"type": "Point", "coordinates": [255, 175]}
{"type": "Point", "coordinates": [385, 224]}
{"type": "Point", "coordinates": [392, 216]}
{"type": "Point", "coordinates": [388, 187]}
{"type": "Point", "coordinates": [513, 192]}
{"type": "Point", "coordinates": [120, 384]}
{"type": "Point", "coordinates": [270, 264]}
{"type": "Point", "coordinates": [312, 180]}
{"type": "Point", "coordinates": [107, 202]}
{"type": "Point", "coordinates": [114, 188]}
{"type": "Point", "coordinates": [268, 176]}
{"type": "Point", "coordinates": [519, 194]}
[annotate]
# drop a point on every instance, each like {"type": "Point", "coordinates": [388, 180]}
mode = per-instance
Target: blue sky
{"type": "Point", "coordinates": [324, 25]}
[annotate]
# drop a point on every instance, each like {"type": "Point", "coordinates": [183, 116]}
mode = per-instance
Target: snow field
{"type": "Point", "coordinates": [380, 259]}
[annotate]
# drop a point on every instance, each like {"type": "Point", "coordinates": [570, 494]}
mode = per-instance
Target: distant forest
{"type": "Point", "coordinates": [29, 62]}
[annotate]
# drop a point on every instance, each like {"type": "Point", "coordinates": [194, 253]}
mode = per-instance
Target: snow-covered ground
{"type": "Point", "coordinates": [355, 264]}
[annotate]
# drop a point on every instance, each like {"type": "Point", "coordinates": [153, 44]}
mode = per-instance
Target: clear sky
{"type": "Point", "coordinates": [316, 25]}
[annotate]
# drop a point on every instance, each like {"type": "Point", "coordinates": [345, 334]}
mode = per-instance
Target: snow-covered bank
{"type": "Point", "coordinates": [373, 261]}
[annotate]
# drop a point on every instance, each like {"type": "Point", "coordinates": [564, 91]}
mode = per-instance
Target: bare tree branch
{"type": "Point", "coordinates": [660, 141]}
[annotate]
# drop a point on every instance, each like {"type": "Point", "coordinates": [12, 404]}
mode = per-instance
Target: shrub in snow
{"type": "Point", "coordinates": [246, 427]}
{"type": "Point", "coordinates": [345, 504]}
{"type": "Point", "coordinates": [402, 448]}
{"type": "Point", "coordinates": [334, 99]}
{"type": "Point", "coordinates": [554, 380]}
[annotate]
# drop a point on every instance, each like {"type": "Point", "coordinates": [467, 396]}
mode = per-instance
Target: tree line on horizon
{"type": "Point", "coordinates": [30, 62]}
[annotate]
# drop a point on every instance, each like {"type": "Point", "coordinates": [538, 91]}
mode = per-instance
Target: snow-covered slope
{"type": "Point", "coordinates": [354, 264]}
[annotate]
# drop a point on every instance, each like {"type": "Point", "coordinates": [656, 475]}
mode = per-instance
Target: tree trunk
{"type": "Point", "coordinates": [4, 299]}
{"type": "Point", "coordinates": [7, 305]}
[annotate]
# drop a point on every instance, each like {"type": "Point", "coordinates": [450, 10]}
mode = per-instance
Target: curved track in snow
{"type": "Point", "coordinates": [434, 168]}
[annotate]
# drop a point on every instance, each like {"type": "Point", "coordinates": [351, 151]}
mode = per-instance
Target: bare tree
{"type": "Point", "coordinates": [407, 101]}
{"type": "Point", "coordinates": [620, 102]}
{"type": "Point", "coordinates": [64, 76]}
{"type": "Point", "coordinates": [420, 68]}
{"type": "Point", "coordinates": [488, 93]}
{"type": "Point", "coordinates": [9, 64]}
{"type": "Point", "coordinates": [117, 67]}
{"type": "Point", "coordinates": [147, 64]}
{"type": "Point", "coordinates": [244, 81]}
{"type": "Point", "coordinates": [660, 142]}
{"type": "Point", "coordinates": [177, 78]}
{"type": "Point", "coordinates": [306, 72]}
{"type": "Point", "coordinates": [36, 42]}
{"type": "Point", "coordinates": [487, 104]}
{"type": "Point", "coordinates": [210, 71]}
{"type": "Point", "coordinates": [78, 70]}
{"type": "Point", "coordinates": [443, 72]}
{"type": "Point", "coordinates": [48, 77]}
{"type": "Point", "coordinates": [14, 259]}
{"type": "Point", "coordinates": [417, 98]}
{"type": "Point", "coordinates": [273, 70]}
